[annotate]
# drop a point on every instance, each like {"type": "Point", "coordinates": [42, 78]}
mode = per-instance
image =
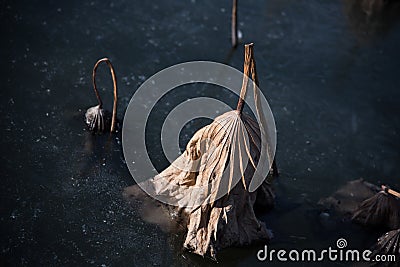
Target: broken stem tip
{"type": "Point", "coordinates": [234, 31]}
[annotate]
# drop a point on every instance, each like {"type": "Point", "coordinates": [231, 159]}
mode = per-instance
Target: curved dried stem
{"type": "Point", "coordinates": [114, 112]}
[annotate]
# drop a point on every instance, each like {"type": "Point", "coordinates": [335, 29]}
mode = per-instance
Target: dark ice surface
{"type": "Point", "coordinates": [330, 73]}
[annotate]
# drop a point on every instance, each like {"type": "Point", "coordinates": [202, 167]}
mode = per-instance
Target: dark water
{"type": "Point", "coordinates": [331, 76]}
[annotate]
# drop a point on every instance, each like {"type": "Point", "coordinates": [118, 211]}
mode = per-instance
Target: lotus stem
{"type": "Point", "coordinates": [390, 191]}
{"type": "Point", "coordinates": [114, 112]}
{"type": "Point", "coordinates": [254, 77]}
{"type": "Point", "coordinates": [234, 31]}
{"type": "Point", "coordinates": [94, 85]}
{"type": "Point", "coordinates": [248, 52]}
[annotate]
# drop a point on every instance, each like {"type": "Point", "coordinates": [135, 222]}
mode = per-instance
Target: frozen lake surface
{"type": "Point", "coordinates": [330, 74]}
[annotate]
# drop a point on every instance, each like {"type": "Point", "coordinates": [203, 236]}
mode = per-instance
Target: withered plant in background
{"type": "Point", "coordinates": [388, 244]}
{"type": "Point", "coordinates": [96, 118]}
{"type": "Point", "coordinates": [381, 210]}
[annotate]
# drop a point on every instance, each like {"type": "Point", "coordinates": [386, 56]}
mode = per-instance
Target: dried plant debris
{"type": "Point", "coordinates": [230, 220]}
{"type": "Point", "coordinates": [213, 158]}
{"type": "Point", "coordinates": [380, 210]}
{"type": "Point", "coordinates": [97, 119]}
{"type": "Point", "coordinates": [346, 199]}
{"type": "Point", "coordinates": [388, 244]}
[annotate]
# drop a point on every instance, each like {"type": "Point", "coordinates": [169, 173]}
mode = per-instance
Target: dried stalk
{"type": "Point", "coordinates": [248, 54]}
{"type": "Point", "coordinates": [114, 112]}
{"type": "Point", "coordinates": [250, 67]}
{"type": "Point", "coordinates": [390, 191]}
{"type": "Point", "coordinates": [234, 31]}
{"type": "Point", "coordinates": [254, 77]}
